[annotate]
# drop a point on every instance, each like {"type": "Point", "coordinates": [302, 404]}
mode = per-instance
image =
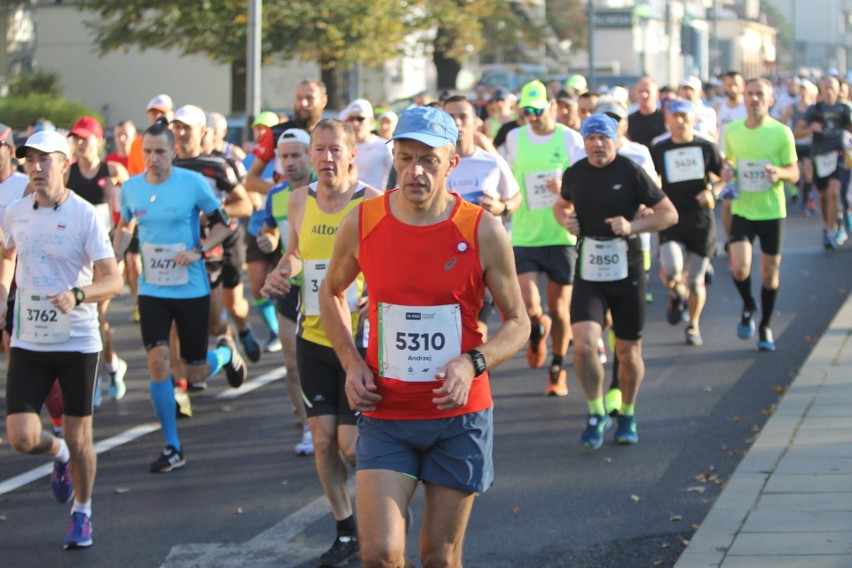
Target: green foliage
{"type": "Point", "coordinates": [569, 20]}
{"type": "Point", "coordinates": [18, 112]}
{"type": "Point", "coordinates": [35, 82]}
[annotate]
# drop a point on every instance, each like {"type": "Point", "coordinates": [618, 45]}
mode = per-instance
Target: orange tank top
{"type": "Point", "coordinates": [425, 286]}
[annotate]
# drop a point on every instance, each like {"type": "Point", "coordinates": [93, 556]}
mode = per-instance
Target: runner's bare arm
{"type": "Point", "coordinates": [123, 236]}
{"type": "Point", "coordinates": [277, 282]}
{"type": "Point", "coordinates": [334, 310]}
{"type": "Point", "coordinates": [498, 266]}
{"type": "Point", "coordinates": [254, 182]}
{"type": "Point", "coordinates": [7, 272]}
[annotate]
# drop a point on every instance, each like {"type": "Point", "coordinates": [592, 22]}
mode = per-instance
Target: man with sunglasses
{"type": "Point", "coordinates": [374, 158]}
{"type": "Point", "coordinates": [539, 152]}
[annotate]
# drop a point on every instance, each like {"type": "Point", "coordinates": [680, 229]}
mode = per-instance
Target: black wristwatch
{"type": "Point", "coordinates": [505, 212]}
{"type": "Point", "coordinates": [79, 295]}
{"type": "Point", "coordinates": [478, 360]}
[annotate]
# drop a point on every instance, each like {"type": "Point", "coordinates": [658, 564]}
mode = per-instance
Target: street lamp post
{"type": "Point", "coordinates": [253, 57]}
{"type": "Point", "coordinates": [592, 73]}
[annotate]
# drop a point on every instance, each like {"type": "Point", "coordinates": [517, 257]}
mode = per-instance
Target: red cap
{"type": "Point", "coordinates": [87, 126]}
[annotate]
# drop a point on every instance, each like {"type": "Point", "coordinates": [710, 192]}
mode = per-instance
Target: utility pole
{"type": "Point", "coordinates": [253, 58]}
{"type": "Point", "coordinates": [592, 73]}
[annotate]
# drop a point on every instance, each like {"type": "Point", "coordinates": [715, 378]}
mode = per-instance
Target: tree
{"type": "Point", "coordinates": [35, 83]}
{"type": "Point", "coordinates": [334, 33]}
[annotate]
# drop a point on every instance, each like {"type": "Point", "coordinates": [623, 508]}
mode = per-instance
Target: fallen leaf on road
{"type": "Point", "coordinates": [676, 518]}
{"type": "Point", "coordinates": [635, 498]}
{"type": "Point", "coordinates": [779, 390]}
{"type": "Point", "coordinates": [607, 460]}
{"type": "Point", "coordinates": [516, 511]}
{"type": "Point", "coordinates": [666, 545]}
{"type": "Point", "coordinates": [658, 562]}
{"type": "Point", "coordinates": [284, 482]}
{"type": "Point", "coordinates": [226, 408]}
{"type": "Point", "coordinates": [697, 489]}
{"type": "Point", "coordinates": [2, 518]}
{"type": "Point", "coordinates": [685, 542]}
{"type": "Point", "coordinates": [694, 526]}
{"type": "Point", "coordinates": [121, 490]}
{"type": "Point", "coordinates": [239, 510]}
{"type": "Point", "coordinates": [737, 418]}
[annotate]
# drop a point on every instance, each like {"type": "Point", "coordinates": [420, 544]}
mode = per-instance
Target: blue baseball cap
{"type": "Point", "coordinates": [428, 125]}
{"type": "Point", "coordinates": [600, 124]}
{"type": "Point", "coordinates": [681, 106]}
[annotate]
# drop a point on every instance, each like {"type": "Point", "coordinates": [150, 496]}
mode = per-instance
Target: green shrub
{"type": "Point", "coordinates": [19, 112]}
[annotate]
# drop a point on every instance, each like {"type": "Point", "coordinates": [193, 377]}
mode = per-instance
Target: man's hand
{"type": "Point", "coordinates": [267, 242]}
{"type": "Point", "coordinates": [361, 388]}
{"type": "Point", "coordinates": [277, 283]}
{"type": "Point", "coordinates": [620, 226]}
{"type": "Point", "coordinates": [554, 185]}
{"type": "Point", "coordinates": [772, 173]}
{"type": "Point", "coordinates": [457, 375]}
{"type": "Point", "coordinates": [187, 257]}
{"type": "Point", "coordinates": [63, 301]}
{"type": "Point", "coordinates": [491, 202]}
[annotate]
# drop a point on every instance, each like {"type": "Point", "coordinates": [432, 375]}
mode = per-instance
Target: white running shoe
{"type": "Point", "coordinates": [306, 446]}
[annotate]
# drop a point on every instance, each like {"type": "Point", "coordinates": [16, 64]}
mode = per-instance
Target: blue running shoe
{"type": "Point", "coordinates": [79, 532]}
{"type": "Point", "coordinates": [745, 329]}
{"type": "Point", "coordinates": [765, 341]}
{"type": "Point", "coordinates": [60, 482]}
{"type": "Point", "coordinates": [625, 432]}
{"type": "Point", "coordinates": [593, 435]}
{"type": "Point", "coordinates": [250, 345]}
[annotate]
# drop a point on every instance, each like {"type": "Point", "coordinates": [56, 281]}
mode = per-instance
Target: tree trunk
{"type": "Point", "coordinates": [335, 84]}
{"type": "Point", "coordinates": [238, 87]}
{"type": "Point", "coordinates": [447, 67]}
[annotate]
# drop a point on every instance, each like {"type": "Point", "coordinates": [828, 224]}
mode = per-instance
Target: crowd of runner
{"type": "Point", "coordinates": [393, 260]}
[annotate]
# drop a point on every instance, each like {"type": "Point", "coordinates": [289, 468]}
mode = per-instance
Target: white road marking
{"type": "Point", "coordinates": [11, 484]}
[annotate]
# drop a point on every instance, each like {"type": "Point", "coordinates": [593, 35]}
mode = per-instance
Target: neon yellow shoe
{"type": "Point", "coordinates": [612, 401]}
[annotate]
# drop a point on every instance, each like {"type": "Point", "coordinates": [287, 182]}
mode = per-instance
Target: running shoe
{"type": "Point", "coordinates": [306, 446]}
{"type": "Point", "coordinates": [557, 382]}
{"type": "Point", "coordinates": [57, 430]}
{"type": "Point", "coordinates": [117, 389]}
{"type": "Point", "coordinates": [602, 351]}
{"type": "Point", "coordinates": [674, 310]}
{"type": "Point", "coordinates": [612, 401]}
{"type": "Point", "coordinates": [847, 222]}
{"type": "Point", "coordinates": [183, 406]}
{"type": "Point", "coordinates": [709, 274]}
{"type": "Point", "coordinates": [135, 317]}
{"type": "Point", "coordinates": [840, 236]}
{"type": "Point", "coordinates": [273, 344]}
{"type": "Point", "coordinates": [250, 345]}
{"type": "Point", "coordinates": [344, 549]}
{"type": "Point", "coordinates": [235, 370]}
{"type": "Point", "coordinates": [170, 459]}
{"type": "Point", "coordinates": [537, 347]}
{"type": "Point", "coordinates": [196, 387]}
{"type": "Point", "coordinates": [649, 297]}
{"type": "Point", "coordinates": [765, 341]}
{"type": "Point", "coordinates": [693, 336]}
{"type": "Point", "coordinates": [745, 328]}
{"type": "Point", "coordinates": [828, 240]}
{"type": "Point", "coordinates": [625, 432]}
{"type": "Point", "coordinates": [593, 435]}
{"type": "Point", "coordinates": [60, 482]}
{"type": "Point", "coordinates": [79, 533]}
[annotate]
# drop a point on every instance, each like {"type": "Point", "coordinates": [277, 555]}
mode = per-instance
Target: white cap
{"type": "Point", "coordinates": [190, 115]}
{"type": "Point", "coordinates": [295, 135]}
{"type": "Point", "coordinates": [47, 141]}
{"type": "Point", "coordinates": [360, 107]}
{"type": "Point", "coordinates": [693, 82]}
{"type": "Point", "coordinates": [160, 102]}
{"type": "Point", "coordinates": [620, 94]}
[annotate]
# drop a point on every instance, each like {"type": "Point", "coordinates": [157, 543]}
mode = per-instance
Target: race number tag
{"type": "Point", "coordinates": [538, 197]}
{"type": "Point", "coordinates": [416, 341]}
{"type": "Point", "coordinates": [751, 175]}
{"type": "Point", "coordinates": [314, 275]}
{"type": "Point", "coordinates": [159, 265]}
{"type": "Point", "coordinates": [604, 261]}
{"type": "Point", "coordinates": [468, 188]}
{"type": "Point", "coordinates": [39, 321]}
{"type": "Point", "coordinates": [825, 164]}
{"type": "Point", "coordinates": [684, 164]}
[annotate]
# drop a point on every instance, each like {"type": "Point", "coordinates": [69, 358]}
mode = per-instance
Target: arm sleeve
{"type": "Point", "coordinates": [265, 147]}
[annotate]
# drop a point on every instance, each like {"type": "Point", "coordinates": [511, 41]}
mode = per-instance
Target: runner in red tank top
{"type": "Point", "coordinates": [427, 257]}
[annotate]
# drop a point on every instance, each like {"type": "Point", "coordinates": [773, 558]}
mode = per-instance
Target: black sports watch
{"type": "Point", "coordinates": [79, 295]}
{"type": "Point", "coordinates": [478, 360]}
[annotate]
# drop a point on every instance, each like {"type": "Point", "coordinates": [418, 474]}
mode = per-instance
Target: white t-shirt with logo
{"type": "Point", "coordinates": [374, 160]}
{"type": "Point", "coordinates": [482, 171]}
{"type": "Point", "coordinates": [56, 251]}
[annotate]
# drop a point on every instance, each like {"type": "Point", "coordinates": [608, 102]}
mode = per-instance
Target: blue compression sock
{"type": "Point", "coordinates": [165, 407]}
{"type": "Point", "coordinates": [267, 309]}
{"type": "Point", "coordinates": [218, 358]}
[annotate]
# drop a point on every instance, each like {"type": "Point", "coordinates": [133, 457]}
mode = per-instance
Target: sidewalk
{"type": "Point", "coordinates": [789, 503]}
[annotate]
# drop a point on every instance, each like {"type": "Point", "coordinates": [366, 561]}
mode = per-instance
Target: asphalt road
{"type": "Point", "coordinates": [243, 499]}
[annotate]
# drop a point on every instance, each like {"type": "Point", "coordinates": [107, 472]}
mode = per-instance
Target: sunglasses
{"type": "Point", "coordinates": [530, 111]}
{"type": "Point", "coordinates": [356, 119]}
